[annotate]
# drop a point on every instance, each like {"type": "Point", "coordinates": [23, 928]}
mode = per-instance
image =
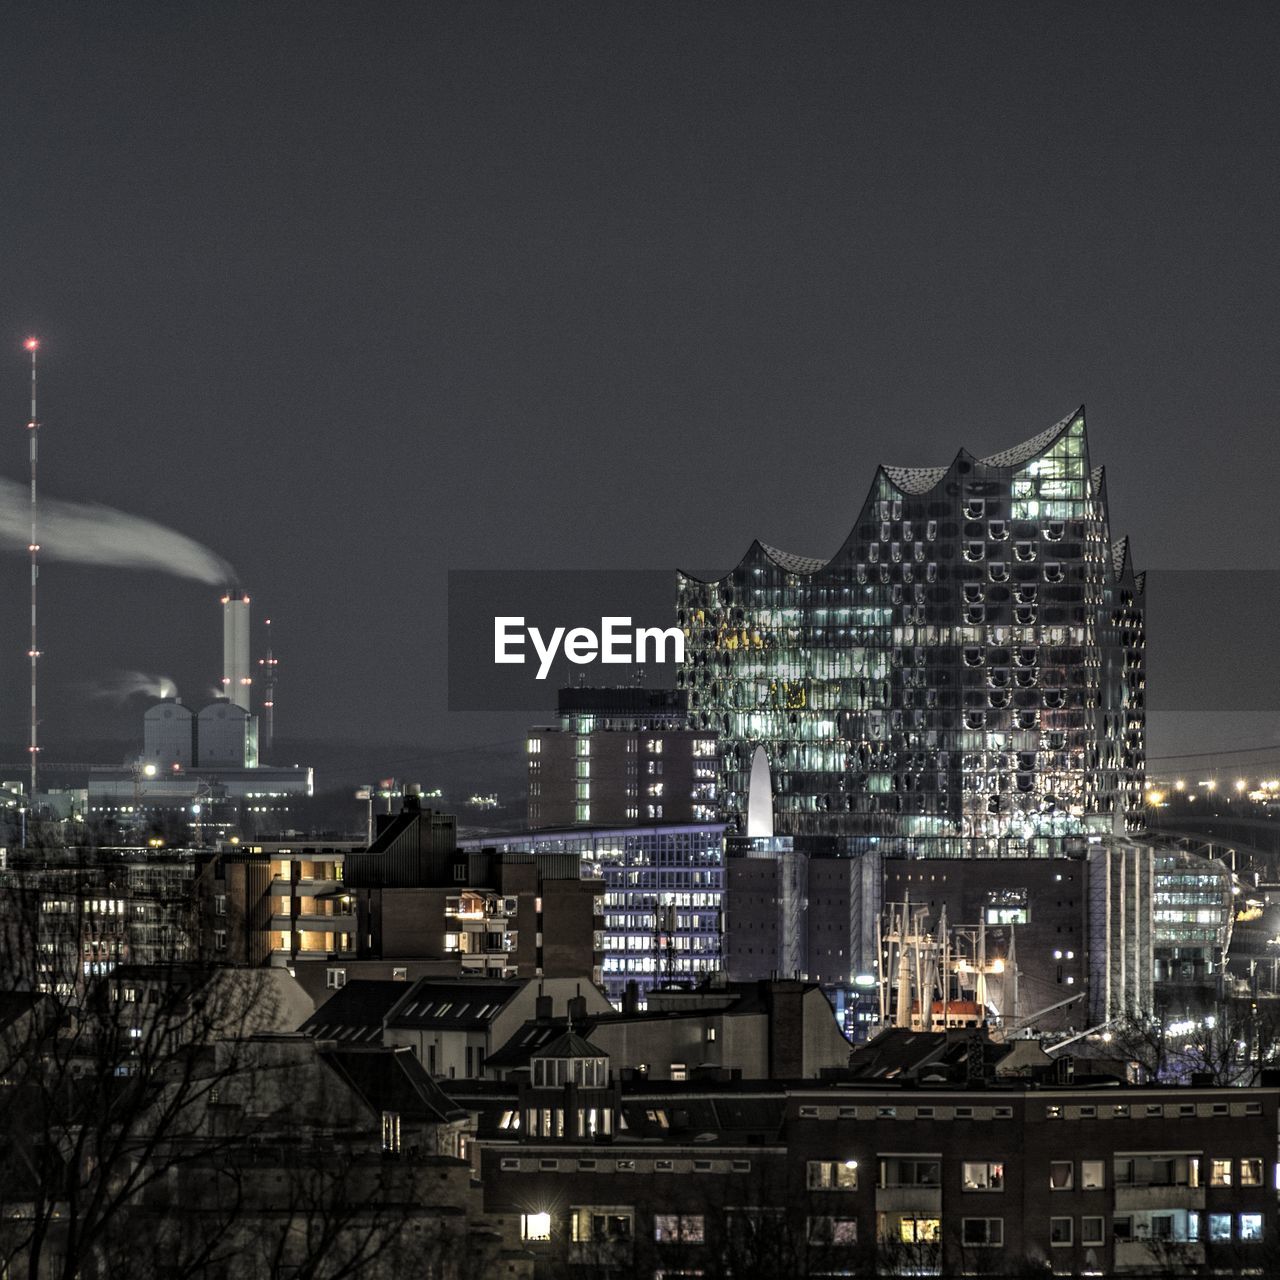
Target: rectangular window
{"type": "Point", "coordinates": [910, 1171]}
{"type": "Point", "coordinates": [1092, 1175]}
{"type": "Point", "coordinates": [1060, 1175]}
{"type": "Point", "coordinates": [1251, 1171]}
{"type": "Point", "coordinates": [833, 1175]}
{"type": "Point", "coordinates": [982, 1176]}
{"type": "Point", "coordinates": [535, 1226]}
{"type": "Point", "coordinates": [1060, 1231]}
{"type": "Point", "coordinates": [982, 1232]}
{"type": "Point", "coordinates": [1219, 1173]}
{"type": "Point", "coordinates": [335, 978]}
{"type": "Point", "coordinates": [687, 1227]}
{"type": "Point", "coordinates": [1091, 1231]}
{"type": "Point", "coordinates": [912, 1230]}
{"type": "Point", "coordinates": [591, 1223]}
{"type": "Point", "coordinates": [833, 1231]}
{"type": "Point", "coordinates": [1219, 1226]}
{"type": "Point", "coordinates": [1251, 1226]}
{"type": "Point", "coordinates": [391, 1132]}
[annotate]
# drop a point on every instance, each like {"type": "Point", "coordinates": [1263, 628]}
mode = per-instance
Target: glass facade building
{"type": "Point", "coordinates": [1194, 909]}
{"type": "Point", "coordinates": [663, 890]}
{"type": "Point", "coordinates": [963, 678]}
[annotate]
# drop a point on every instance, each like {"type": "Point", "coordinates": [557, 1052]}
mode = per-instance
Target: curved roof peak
{"type": "Point", "coordinates": [920, 480]}
{"type": "Point", "coordinates": [1028, 449]}
{"type": "Point", "coordinates": [915, 480]}
{"type": "Point", "coordinates": [791, 562]}
{"type": "Point", "coordinates": [1119, 554]}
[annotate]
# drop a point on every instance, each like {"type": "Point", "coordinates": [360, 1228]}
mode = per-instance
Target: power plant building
{"type": "Point", "coordinates": [169, 735]}
{"type": "Point", "coordinates": [221, 736]}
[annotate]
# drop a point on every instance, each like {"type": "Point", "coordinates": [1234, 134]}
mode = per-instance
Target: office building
{"type": "Point", "coordinates": [620, 757]}
{"type": "Point", "coordinates": [661, 888]}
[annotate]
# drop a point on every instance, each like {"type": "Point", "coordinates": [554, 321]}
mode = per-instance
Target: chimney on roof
{"type": "Point", "coordinates": [578, 1009]}
{"type": "Point", "coordinates": [542, 1008]}
{"type": "Point", "coordinates": [631, 997]}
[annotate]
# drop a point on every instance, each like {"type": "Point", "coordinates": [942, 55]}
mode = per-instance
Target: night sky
{"type": "Point", "coordinates": [356, 294]}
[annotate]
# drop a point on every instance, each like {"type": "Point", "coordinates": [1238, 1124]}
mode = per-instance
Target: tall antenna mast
{"type": "Point", "coordinates": [268, 665]}
{"type": "Point", "coordinates": [33, 426]}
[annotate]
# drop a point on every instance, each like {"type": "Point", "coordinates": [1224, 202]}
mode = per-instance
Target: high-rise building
{"type": "Point", "coordinates": [620, 757]}
{"type": "Point", "coordinates": [963, 678]}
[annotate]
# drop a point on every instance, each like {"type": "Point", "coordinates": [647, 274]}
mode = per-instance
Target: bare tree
{"type": "Point", "coordinates": [1230, 1046]}
{"type": "Point", "coordinates": [139, 1102]}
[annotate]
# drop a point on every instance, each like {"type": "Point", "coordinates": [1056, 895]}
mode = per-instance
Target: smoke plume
{"type": "Point", "coordinates": [123, 685]}
{"type": "Point", "coordinates": [88, 533]}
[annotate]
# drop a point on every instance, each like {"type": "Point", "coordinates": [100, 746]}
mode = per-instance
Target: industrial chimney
{"type": "Point", "coordinates": [236, 680]}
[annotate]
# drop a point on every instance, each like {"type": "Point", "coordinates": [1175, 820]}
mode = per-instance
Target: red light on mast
{"type": "Point", "coordinates": [32, 344]}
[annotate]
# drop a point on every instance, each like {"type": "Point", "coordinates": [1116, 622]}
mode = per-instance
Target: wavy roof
{"type": "Point", "coordinates": [1028, 449]}
{"type": "Point", "coordinates": [917, 481]}
{"type": "Point", "coordinates": [791, 562]}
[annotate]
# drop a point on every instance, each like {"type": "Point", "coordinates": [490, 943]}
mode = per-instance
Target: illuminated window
{"type": "Point", "coordinates": [982, 1176]}
{"type": "Point", "coordinates": [535, 1226]}
{"type": "Point", "coordinates": [920, 1230]}
{"type": "Point", "coordinates": [1251, 1172]}
{"type": "Point", "coordinates": [1060, 1175]}
{"type": "Point", "coordinates": [1219, 1173]}
{"type": "Point", "coordinates": [1251, 1226]}
{"type": "Point", "coordinates": [391, 1132]}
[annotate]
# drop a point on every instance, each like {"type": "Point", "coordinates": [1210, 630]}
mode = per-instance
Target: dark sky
{"type": "Point", "coordinates": [359, 293]}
